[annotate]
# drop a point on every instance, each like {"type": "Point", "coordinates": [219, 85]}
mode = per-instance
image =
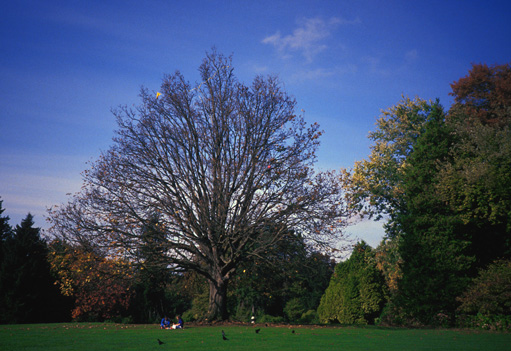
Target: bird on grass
{"type": "Point", "coordinates": [257, 331]}
{"type": "Point", "coordinates": [223, 336]}
{"type": "Point", "coordinates": [160, 342]}
{"type": "Point", "coordinates": [293, 331]}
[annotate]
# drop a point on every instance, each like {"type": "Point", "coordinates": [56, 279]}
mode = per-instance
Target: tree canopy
{"type": "Point", "coordinates": [219, 164]}
{"type": "Point", "coordinates": [443, 181]}
{"type": "Point", "coordinates": [375, 185]}
{"type": "Point", "coordinates": [484, 94]}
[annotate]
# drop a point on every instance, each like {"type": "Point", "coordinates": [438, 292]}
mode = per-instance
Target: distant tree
{"type": "Point", "coordinates": [217, 162]}
{"type": "Point", "coordinates": [27, 291]}
{"type": "Point", "coordinates": [156, 290]}
{"type": "Point", "coordinates": [5, 235]}
{"type": "Point", "coordinates": [356, 293]}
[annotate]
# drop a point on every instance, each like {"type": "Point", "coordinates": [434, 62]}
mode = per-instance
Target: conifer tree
{"type": "Point", "coordinates": [27, 292]}
{"type": "Point", "coordinates": [356, 293]}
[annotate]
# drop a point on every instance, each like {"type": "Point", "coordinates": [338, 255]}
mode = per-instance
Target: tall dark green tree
{"type": "Point", "coordinates": [27, 290]}
{"type": "Point", "coordinates": [5, 229]}
{"type": "Point", "coordinates": [5, 235]}
{"type": "Point", "coordinates": [434, 243]}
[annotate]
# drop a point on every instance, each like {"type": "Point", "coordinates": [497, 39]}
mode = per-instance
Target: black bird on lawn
{"type": "Point", "coordinates": [223, 336]}
{"type": "Point", "coordinates": [160, 342]}
{"type": "Point", "coordinates": [257, 331]}
{"type": "Point", "coordinates": [293, 331]}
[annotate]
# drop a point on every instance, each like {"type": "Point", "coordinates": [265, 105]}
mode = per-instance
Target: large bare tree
{"type": "Point", "coordinates": [227, 170]}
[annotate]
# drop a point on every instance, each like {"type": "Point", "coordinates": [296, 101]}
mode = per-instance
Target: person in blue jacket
{"type": "Point", "coordinates": [165, 323]}
{"type": "Point", "coordinates": [180, 323]}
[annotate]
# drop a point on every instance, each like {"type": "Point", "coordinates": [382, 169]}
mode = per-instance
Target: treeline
{"type": "Point", "coordinates": [442, 178]}
{"type": "Point", "coordinates": [28, 293]}
{"type": "Point", "coordinates": [53, 281]}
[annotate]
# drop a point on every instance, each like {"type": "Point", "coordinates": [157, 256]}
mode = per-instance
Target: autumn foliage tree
{"type": "Point", "coordinates": [217, 161]}
{"type": "Point", "coordinates": [100, 286]}
{"type": "Point", "coordinates": [375, 185]}
{"type": "Point", "coordinates": [484, 94]}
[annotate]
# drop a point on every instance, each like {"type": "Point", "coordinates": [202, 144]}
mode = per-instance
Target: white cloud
{"type": "Point", "coordinates": [308, 38]}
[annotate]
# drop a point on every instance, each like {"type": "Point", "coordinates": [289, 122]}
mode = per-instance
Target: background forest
{"type": "Point", "coordinates": [440, 179]}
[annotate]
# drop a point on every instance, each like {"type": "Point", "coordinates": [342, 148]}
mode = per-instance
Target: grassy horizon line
{"type": "Point", "coordinates": [110, 336]}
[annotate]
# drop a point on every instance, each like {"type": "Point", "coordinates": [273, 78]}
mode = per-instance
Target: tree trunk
{"type": "Point", "coordinates": [217, 300]}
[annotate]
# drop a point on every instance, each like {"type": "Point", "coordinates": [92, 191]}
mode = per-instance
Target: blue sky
{"type": "Point", "coordinates": [65, 64]}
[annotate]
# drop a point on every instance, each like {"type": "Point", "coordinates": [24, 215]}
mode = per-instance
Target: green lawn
{"type": "Point", "coordinates": [87, 336]}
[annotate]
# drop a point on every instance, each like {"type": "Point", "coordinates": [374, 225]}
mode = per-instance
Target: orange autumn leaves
{"type": "Point", "coordinates": [99, 285]}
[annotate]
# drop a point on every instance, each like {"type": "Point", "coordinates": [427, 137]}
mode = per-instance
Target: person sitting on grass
{"type": "Point", "coordinates": [165, 323]}
{"type": "Point", "coordinates": [180, 324]}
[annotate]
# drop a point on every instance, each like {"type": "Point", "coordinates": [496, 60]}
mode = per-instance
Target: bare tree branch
{"type": "Point", "coordinates": [218, 165]}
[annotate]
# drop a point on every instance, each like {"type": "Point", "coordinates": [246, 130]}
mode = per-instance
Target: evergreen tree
{"type": "Point", "coordinates": [356, 293]}
{"type": "Point", "coordinates": [27, 292]}
{"type": "Point", "coordinates": [5, 235]}
{"type": "Point", "coordinates": [5, 228]}
{"type": "Point", "coordinates": [434, 244]}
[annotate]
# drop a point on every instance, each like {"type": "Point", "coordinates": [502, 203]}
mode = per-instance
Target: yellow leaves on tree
{"type": "Point", "coordinates": [99, 285]}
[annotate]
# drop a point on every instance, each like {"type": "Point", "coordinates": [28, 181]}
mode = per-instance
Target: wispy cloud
{"type": "Point", "coordinates": [308, 38]}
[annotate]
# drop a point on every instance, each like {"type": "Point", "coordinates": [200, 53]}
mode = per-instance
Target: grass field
{"type": "Point", "coordinates": [93, 336]}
